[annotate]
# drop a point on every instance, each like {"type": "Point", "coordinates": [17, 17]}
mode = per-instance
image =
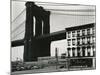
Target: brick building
{"type": "Point", "coordinates": [81, 45]}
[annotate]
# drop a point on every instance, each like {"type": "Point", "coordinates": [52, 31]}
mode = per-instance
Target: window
{"type": "Point", "coordinates": [88, 31]}
{"type": "Point", "coordinates": [78, 33]}
{"type": "Point", "coordinates": [91, 51]}
{"type": "Point", "coordinates": [69, 50]}
{"type": "Point", "coordinates": [83, 51]}
{"type": "Point", "coordinates": [78, 51]}
{"type": "Point", "coordinates": [73, 51]}
{"type": "Point", "coordinates": [78, 41]}
{"type": "Point", "coordinates": [73, 41]}
{"type": "Point", "coordinates": [93, 30]}
{"type": "Point", "coordinates": [88, 40]}
{"type": "Point", "coordinates": [88, 50]}
{"type": "Point", "coordinates": [83, 32]}
{"type": "Point", "coordinates": [69, 34]}
{"type": "Point", "coordinates": [73, 33]}
{"type": "Point", "coordinates": [93, 39]}
{"type": "Point", "coordinates": [93, 48]}
{"type": "Point", "coordinates": [83, 40]}
{"type": "Point", "coordinates": [69, 42]}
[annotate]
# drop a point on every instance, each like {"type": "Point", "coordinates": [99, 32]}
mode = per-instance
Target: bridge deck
{"type": "Point", "coordinates": [52, 36]}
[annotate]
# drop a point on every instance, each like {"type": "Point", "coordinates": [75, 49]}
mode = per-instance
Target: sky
{"type": "Point", "coordinates": [59, 20]}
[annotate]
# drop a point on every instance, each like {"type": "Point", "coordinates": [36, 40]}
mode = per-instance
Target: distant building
{"type": "Point", "coordinates": [81, 45]}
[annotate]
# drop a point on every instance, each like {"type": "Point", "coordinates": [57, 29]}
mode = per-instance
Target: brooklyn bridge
{"type": "Point", "coordinates": [37, 45]}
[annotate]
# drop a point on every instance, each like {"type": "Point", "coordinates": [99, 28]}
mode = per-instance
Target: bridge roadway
{"type": "Point", "coordinates": [52, 36]}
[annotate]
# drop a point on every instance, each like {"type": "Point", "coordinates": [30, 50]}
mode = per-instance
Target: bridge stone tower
{"type": "Point", "coordinates": [34, 44]}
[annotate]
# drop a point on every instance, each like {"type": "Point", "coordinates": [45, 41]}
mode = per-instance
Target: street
{"type": "Point", "coordinates": [49, 69]}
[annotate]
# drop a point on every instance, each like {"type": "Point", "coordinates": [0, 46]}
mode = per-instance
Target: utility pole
{"type": "Point", "coordinates": [56, 55]}
{"type": "Point", "coordinates": [67, 60]}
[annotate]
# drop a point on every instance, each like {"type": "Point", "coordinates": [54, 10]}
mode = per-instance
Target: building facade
{"type": "Point", "coordinates": [81, 45]}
